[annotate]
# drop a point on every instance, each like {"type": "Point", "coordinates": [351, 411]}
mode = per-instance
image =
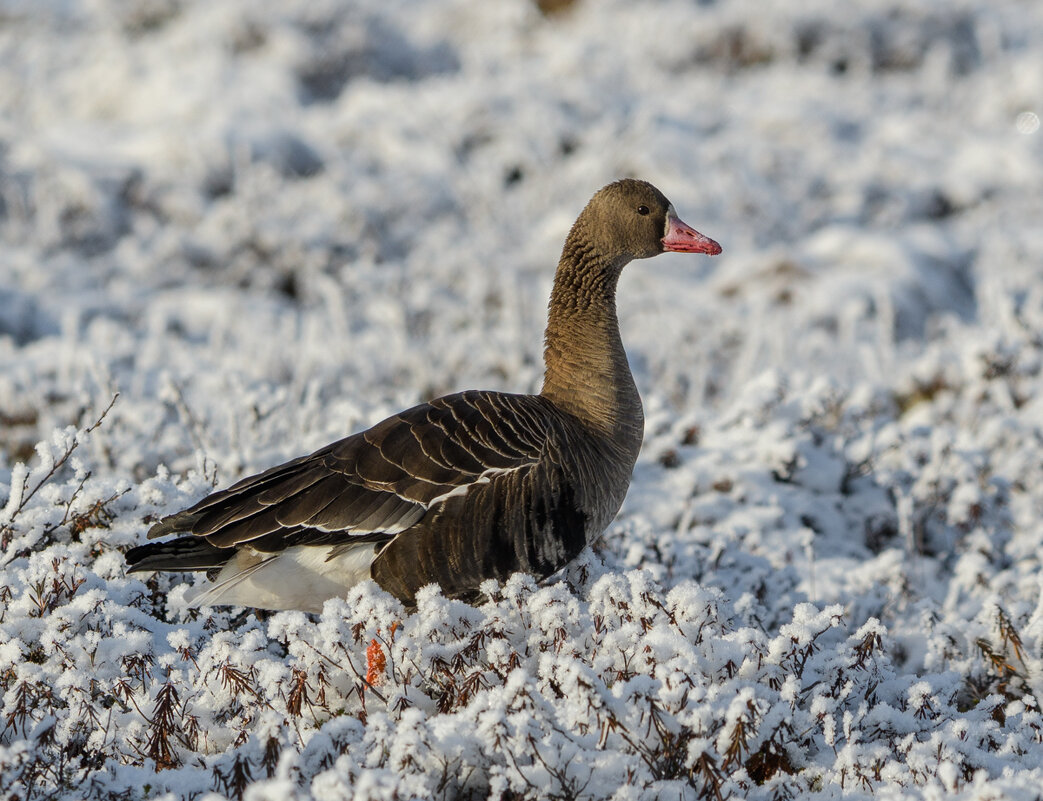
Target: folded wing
{"type": "Point", "coordinates": [371, 486]}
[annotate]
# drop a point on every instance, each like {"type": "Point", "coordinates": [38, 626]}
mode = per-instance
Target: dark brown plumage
{"type": "Point", "coordinates": [467, 487]}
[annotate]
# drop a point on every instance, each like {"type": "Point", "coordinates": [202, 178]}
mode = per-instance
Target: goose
{"type": "Point", "coordinates": [467, 487]}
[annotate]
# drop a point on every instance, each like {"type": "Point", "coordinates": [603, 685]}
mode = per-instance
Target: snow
{"type": "Point", "coordinates": [265, 226]}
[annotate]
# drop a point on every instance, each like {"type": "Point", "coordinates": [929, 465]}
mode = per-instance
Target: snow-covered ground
{"type": "Point", "coordinates": [267, 225]}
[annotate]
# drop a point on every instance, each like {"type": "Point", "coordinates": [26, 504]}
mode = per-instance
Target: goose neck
{"type": "Point", "coordinates": [587, 373]}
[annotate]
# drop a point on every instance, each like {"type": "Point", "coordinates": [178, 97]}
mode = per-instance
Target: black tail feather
{"type": "Point", "coordinates": [184, 554]}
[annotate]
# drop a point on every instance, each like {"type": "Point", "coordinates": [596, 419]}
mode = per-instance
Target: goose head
{"type": "Point", "coordinates": [631, 219]}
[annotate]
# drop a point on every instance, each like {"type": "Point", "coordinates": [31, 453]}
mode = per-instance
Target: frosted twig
{"type": "Point", "coordinates": [6, 528]}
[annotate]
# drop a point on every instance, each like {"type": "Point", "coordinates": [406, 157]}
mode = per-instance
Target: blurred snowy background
{"type": "Point", "coordinates": [268, 225]}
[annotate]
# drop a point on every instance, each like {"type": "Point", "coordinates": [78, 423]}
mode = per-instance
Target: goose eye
{"type": "Point", "coordinates": [642, 209]}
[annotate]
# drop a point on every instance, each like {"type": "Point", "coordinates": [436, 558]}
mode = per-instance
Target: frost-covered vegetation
{"type": "Point", "coordinates": [233, 232]}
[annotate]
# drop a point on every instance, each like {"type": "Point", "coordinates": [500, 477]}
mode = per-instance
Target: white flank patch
{"type": "Point", "coordinates": [301, 578]}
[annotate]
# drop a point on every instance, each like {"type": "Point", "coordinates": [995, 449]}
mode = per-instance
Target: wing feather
{"type": "Point", "coordinates": [375, 484]}
{"type": "Point", "coordinates": [297, 509]}
{"type": "Point", "coordinates": [246, 529]}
